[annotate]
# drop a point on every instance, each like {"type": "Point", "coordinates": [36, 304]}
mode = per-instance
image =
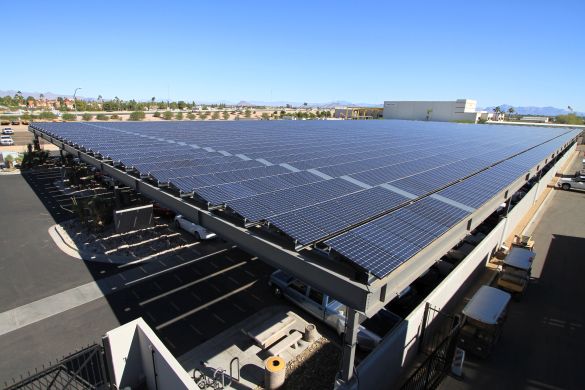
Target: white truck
{"type": "Point", "coordinates": [574, 182]}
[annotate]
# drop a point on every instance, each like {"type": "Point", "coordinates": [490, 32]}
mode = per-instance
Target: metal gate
{"type": "Point", "coordinates": [438, 341]}
{"type": "Point", "coordinates": [85, 370]}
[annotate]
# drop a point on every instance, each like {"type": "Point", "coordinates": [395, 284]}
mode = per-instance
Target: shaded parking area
{"type": "Point", "coordinates": [186, 296]}
{"type": "Point", "coordinates": [544, 336]}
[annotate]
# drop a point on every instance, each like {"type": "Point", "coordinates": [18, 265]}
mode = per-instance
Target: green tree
{"type": "Point", "coordinates": [156, 114]}
{"type": "Point", "coordinates": [569, 119]}
{"type": "Point", "coordinates": [247, 113]}
{"type": "Point", "coordinates": [87, 117]}
{"type": "Point", "coordinates": [511, 111]}
{"type": "Point", "coordinates": [167, 115]}
{"type": "Point", "coordinates": [136, 116]}
{"type": "Point", "coordinates": [282, 113]}
{"type": "Point", "coordinates": [179, 115]}
{"type": "Point", "coordinates": [265, 116]}
{"type": "Point", "coordinates": [215, 115]}
{"type": "Point", "coordinates": [181, 104]}
{"type": "Point", "coordinates": [226, 115]}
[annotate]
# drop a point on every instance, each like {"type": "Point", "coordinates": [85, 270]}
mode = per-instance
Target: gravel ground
{"type": "Point", "coordinates": [315, 368]}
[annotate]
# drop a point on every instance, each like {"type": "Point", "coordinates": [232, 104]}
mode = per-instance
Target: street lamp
{"type": "Point", "coordinates": [75, 104]}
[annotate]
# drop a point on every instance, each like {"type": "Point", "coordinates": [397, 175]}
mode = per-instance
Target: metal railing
{"type": "Point", "coordinates": [82, 370]}
{"type": "Point", "coordinates": [441, 343]}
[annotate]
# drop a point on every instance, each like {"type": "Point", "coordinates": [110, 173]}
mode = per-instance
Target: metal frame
{"type": "Point", "coordinates": [366, 298]}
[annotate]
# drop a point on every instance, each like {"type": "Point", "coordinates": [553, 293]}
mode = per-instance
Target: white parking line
{"type": "Point", "coordinates": [176, 266]}
{"type": "Point", "coordinates": [239, 307]}
{"type": "Point", "coordinates": [219, 318]}
{"type": "Point", "coordinates": [174, 305]}
{"type": "Point", "coordinates": [195, 329]}
{"type": "Point", "coordinates": [190, 284]}
{"type": "Point", "coordinates": [204, 306]}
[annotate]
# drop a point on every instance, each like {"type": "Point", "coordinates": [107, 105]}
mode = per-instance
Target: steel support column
{"type": "Point", "coordinates": [349, 344]}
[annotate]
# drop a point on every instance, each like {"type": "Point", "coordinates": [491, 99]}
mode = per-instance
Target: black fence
{"type": "Point", "coordinates": [85, 370]}
{"type": "Point", "coordinates": [438, 342]}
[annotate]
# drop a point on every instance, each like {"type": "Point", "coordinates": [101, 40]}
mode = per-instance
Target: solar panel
{"type": "Point", "coordinates": [329, 183]}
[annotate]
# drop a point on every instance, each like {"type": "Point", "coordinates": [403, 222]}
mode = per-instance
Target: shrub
{"type": "Point", "coordinates": [569, 119]}
{"type": "Point", "coordinates": [179, 115]}
{"type": "Point", "coordinates": [115, 116]}
{"type": "Point", "coordinates": [215, 115]}
{"type": "Point", "coordinates": [136, 116]}
{"type": "Point", "coordinates": [47, 115]}
{"type": "Point", "coordinates": [226, 115]}
{"type": "Point", "coordinates": [101, 117]}
{"type": "Point", "coordinates": [87, 117]}
{"type": "Point", "coordinates": [167, 115]}
{"type": "Point", "coordinates": [203, 115]}
{"type": "Point", "coordinates": [191, 116]}
{"type": "Point", "coordinates": [69, 117]}
{"type": "Point", "coordinates": [156, 114]}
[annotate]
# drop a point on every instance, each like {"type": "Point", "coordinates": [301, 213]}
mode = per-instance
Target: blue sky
{"type": "Point", "coordinates": [515, 52]}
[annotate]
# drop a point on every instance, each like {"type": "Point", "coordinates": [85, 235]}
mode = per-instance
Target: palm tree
{"type": "Point", "coordinates": [510, 112]}
{"type": "Point", "coordinates": [570, 108]}
{"type": "Point", "coordinates": [497, 111]}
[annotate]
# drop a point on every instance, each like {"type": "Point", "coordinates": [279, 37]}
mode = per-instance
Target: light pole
{"type": "Point", "coordinates": [74, 101]}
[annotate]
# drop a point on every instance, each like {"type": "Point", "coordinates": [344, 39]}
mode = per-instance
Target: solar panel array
{"type": "Point", "coordinates": [350, 184]}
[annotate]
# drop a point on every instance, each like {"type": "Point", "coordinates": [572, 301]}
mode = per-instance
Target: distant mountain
{"type": "Point", "coordinates": [531, 110]}
{"type": "Point", "coordinates": [36, 95]}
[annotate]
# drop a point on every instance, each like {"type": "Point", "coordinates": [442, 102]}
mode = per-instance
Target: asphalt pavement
{"type": "Point", "coordinates": [187, 297]}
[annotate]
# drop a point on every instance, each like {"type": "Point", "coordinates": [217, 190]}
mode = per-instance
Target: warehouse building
{"type": "Point", "coordinates": [438, 111]}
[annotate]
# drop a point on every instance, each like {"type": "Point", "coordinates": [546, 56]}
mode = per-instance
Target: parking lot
{"type": "Point", "coordinates": [544, 335]}
{"type": "Point", "coordinates": [187, 297]}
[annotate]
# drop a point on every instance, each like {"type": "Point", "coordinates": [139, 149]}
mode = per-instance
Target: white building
{"type": "Point", "coordinates": [441, 111]}
{"type": "Point", "coordinates": [535, 119]}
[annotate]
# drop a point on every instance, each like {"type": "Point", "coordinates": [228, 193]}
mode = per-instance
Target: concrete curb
{"type": "Point", "coordinates": [65, 247]}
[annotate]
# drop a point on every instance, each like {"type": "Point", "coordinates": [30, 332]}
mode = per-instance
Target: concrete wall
{"type": "Point", "coordinates": [134, 353]}
{"type": "Point", "coordinates": [461, 109]}
{"type": "Point", "coordinates": [135, 218]}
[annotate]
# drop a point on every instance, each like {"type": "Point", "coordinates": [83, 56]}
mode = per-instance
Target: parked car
{"type": "Point", "coordinates": [331, 311]}
{"type": "Point", "coordinates": [199, 232]}
{"type": "Point", "coordinates": [6, 140]}
{"type": "Point", "coordinates": [567, 183]}
{"type": "Point", "coordinates": [7, 131]}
